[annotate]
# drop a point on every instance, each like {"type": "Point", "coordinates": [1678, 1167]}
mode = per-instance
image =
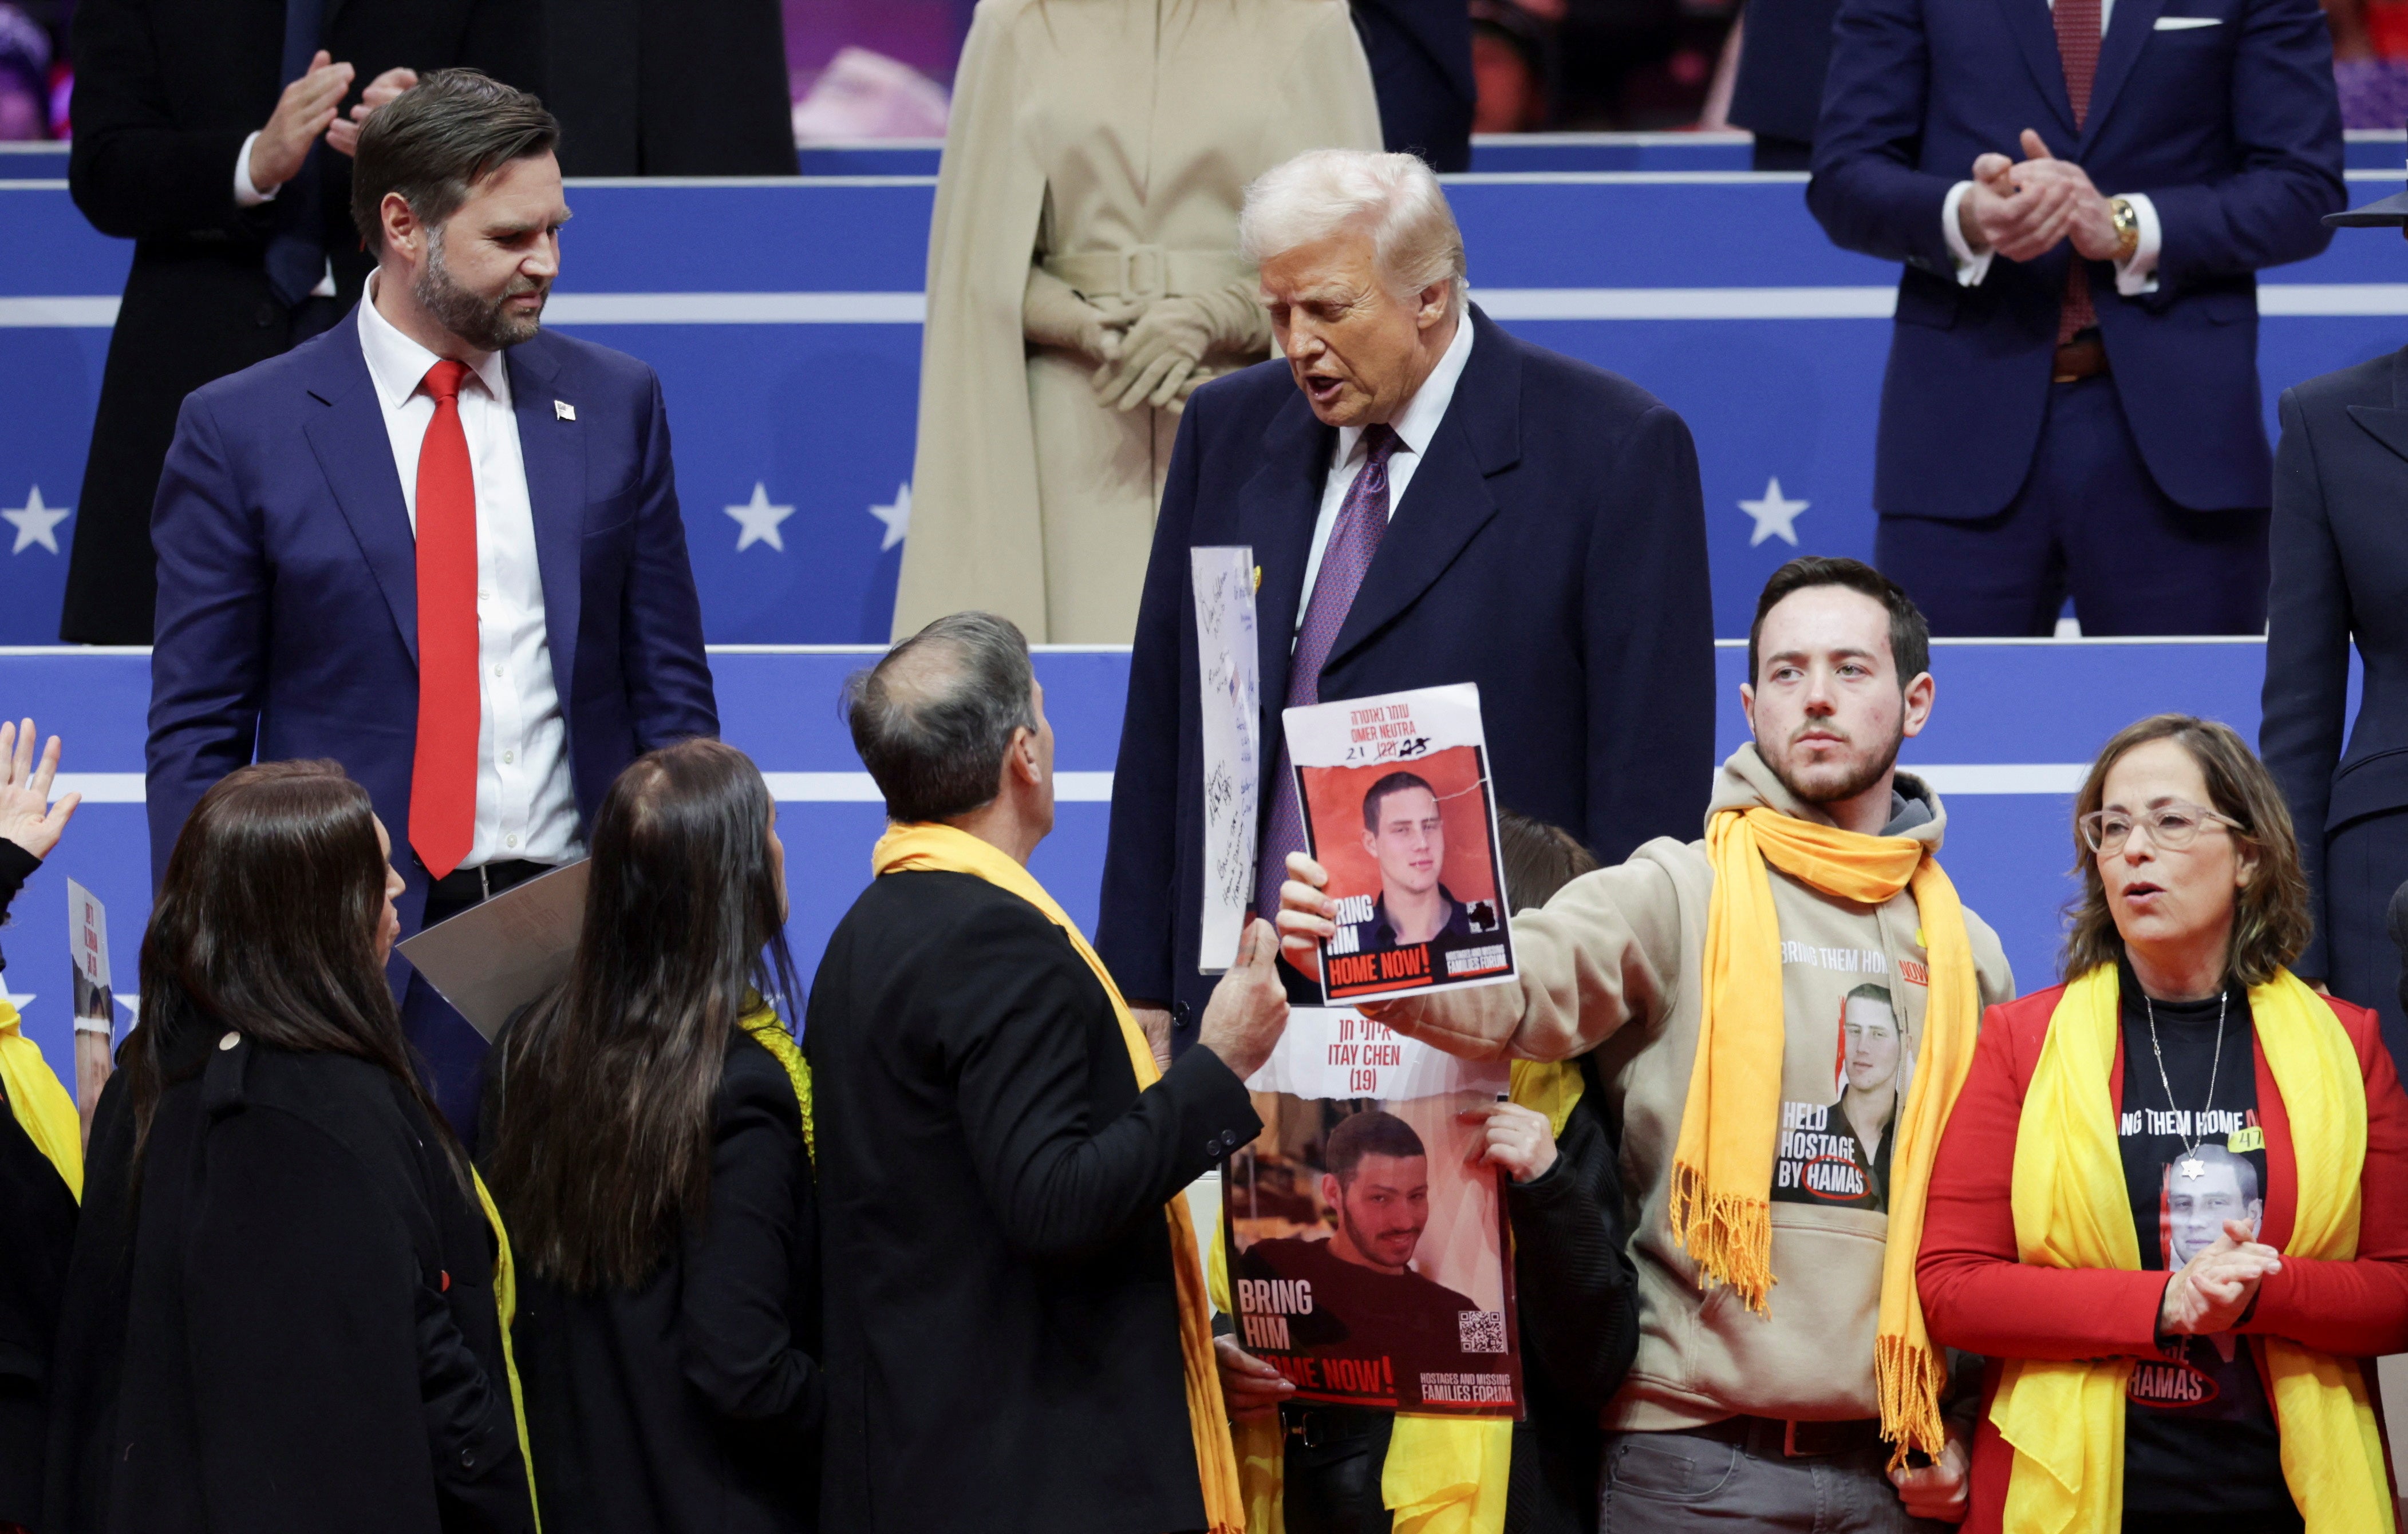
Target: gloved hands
{"type": "Point", "coordinates": [1052, 313]}
{"type": "Point", "coordinates": [1161, 360]}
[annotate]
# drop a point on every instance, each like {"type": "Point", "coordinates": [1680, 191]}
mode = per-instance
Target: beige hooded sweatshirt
{"type": "Point", "coordinates": [1615, 963]}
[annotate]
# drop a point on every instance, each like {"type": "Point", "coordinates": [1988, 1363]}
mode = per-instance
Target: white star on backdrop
{"type": "Point", "coordinates": [20, 1002]}
{"type": "Point", "coordinates": [760, 520]}
{"type": "Point", "coordinates": [897, 516]}
{"type": "Point", "coordinates": [1775, 517]}
{"type": "Point", "coordinates": [34, 523]}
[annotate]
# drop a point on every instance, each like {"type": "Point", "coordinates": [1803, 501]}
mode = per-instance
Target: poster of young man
{"type": "Point", "coordinates": [1367, 1243]}
{"type": "Point", "coordinates": [1397, 807]}
{"type": "Point", "coordinates": [1835, 1135]}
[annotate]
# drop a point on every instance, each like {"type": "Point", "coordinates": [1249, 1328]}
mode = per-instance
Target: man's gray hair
{"type": "Point", "coordinates": [1395, 196]}
{"type": "Point", "coordinates": [933, 719]}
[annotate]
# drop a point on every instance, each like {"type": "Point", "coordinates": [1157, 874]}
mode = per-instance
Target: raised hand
{"type": "Point", "coordinates": [1521, 1140]}
{"type": "Point", "coordinates": [27, 817]}
{"type": "Point", "coordinates": [1250, 1386]}
{"type": "Point", "coordinates": [306, 110]}
{"type": "Point", "coordinates": [1307, 917]}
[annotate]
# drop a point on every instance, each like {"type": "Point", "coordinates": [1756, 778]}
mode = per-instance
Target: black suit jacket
{"type": "Point", "coordinates": [692, 1405]}
{"type": "Point", "coordinates": [2341, 573]}
{"type": "Point", "coordinates": [308, 1337]}
{"type": "Point", "coordinates": [1002, 1322]}
{"type": "Point", "coordinates": [166, 92]}
{"type": "Point", "coordinates": [1553, 550]}
{"type": "Point", "coordinates": [1420, 52]}
{"type": "Point", "coordinates": [1784, 54]}
{"type": "Point", "coordinates": [670, 88]}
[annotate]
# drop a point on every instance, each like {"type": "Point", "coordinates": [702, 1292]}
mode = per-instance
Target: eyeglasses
{"type": "Point", "coordinates": [2171, 826]}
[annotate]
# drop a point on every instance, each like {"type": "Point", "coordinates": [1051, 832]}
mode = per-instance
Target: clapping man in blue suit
{"type": "Point", "coordinates": [2082, 193]}
{"type": "Point", "coordinates": [1429, 500]}
{"type": "Point", "coordinates": [436, 543]}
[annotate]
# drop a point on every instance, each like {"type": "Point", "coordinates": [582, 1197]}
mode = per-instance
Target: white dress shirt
{"type": "Point", "coordinates": [1416, 426]}
{"type": "Point", "coordinates": [2136, 275]}
{"type": "Point", "coordinates": [248, 195]}
{"type": "Point", "coordinates": [527, 805]}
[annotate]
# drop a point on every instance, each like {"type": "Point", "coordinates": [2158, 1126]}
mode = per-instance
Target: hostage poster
{"type": "Point", "coordinates": [1367, 1244]}
{"type": "Point", "coordinates": [1396, 807]}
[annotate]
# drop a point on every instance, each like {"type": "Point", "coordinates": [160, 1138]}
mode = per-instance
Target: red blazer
{"type": "Point", "coordinates": [1977, 1296]}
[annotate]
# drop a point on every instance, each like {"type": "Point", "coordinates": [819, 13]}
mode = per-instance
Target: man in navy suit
{"type": "Point", "coordinates": [1547, 543]}
{"type": "Point", "coordinates": [2341, 578]}
{"type": "Point", "coordinates": [2071, 406]}
{"type": "Point", "coordinates": [436, 544]}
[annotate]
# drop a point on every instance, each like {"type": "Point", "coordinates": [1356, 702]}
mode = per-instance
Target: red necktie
{"type": "Point", "coordinates": [443, 770]}
{"type": "Point", "coordinates": [2077, 47]}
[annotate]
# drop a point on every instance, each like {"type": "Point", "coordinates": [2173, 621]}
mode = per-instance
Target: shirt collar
{"type": "Point", "coordinates": [397, 365]}
{"type": "Point", "coordinates": [1418, 424]}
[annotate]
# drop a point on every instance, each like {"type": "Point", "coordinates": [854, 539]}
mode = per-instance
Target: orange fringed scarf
{"type": "Point", "coordinates": [1722, 1169]}
{"type": "Point", "coordinates": [1216, 1461]}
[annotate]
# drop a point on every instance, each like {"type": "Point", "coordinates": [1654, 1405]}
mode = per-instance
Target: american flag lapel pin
{"type": "Point", "coordinates": [564, 410]}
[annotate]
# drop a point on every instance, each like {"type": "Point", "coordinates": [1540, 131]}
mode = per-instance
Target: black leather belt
{"type": "Point", "coordinates": [1778, 1436]}
{"type": "Point", "coordinates": [464, 887]}
{"type": "Point", "coordinates": [1317, 1426]}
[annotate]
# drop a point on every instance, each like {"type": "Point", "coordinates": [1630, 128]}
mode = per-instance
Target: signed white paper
{"type": "Point", "coordinates": [493, 959]}
{"type": "Point", "coordinates": [1229, 660]}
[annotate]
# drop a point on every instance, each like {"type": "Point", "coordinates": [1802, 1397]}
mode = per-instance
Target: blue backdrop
{"type": "Point", "coordinates": [2013, 725]}
{"type": "Point", "coordinates": [783, 317]}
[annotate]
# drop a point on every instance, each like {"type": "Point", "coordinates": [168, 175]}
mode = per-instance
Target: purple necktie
{"type": "Point", "coordinates": [1353, 539]}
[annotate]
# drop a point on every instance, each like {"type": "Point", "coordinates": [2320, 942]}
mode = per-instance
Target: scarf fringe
{"type": "Point", "coordinates": [1908, 1377]}
{"type": "Point", "coordinates": [1730, 1236]}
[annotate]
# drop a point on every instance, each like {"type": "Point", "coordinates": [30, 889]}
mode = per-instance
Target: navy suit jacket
{"type": "Point", "coordinates": [2231, 128]}
{"type": "Point", "coordinates": [2341, 573]}
{"type": "Point", "coordinates": [288, 578]}
{"type": "Point", "coordinates": [1552, 549]}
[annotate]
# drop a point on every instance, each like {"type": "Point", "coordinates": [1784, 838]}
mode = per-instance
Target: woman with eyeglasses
{"type": "Point", "coordinates": [2170, 1206]}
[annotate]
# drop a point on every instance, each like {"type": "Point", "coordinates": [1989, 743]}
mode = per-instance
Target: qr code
{"type": "Point", "coordinates": [1483, 1332]}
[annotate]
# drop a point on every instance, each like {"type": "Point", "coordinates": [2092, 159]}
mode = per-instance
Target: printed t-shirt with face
{"type": "Point", "coordinates": [2198, 1434]}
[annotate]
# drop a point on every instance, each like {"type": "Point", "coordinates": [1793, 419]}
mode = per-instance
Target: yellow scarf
{"type": "Point", "coordinates": [768, 1030]}
{"type": "Point", "coordinates": [1443, 1474]}
{"type": "Point", "coordinates": [941, 847]}
{"type": "Point", "coordinates": [1722, 1169]}
{"type": "Point", "coordinates": [2073, 1210]}
{"type": "Point", "coordinates": [506, 1301]}
{"type": "Point", "coordinates": [42, 1107]}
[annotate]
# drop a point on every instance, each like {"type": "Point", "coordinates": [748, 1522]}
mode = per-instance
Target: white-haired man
{"type": "Point", "coordinates": [1429, 500]}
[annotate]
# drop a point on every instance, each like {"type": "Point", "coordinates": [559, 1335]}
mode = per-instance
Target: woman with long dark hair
{"type": "Point", "coordinates": [311, 1333]}
{"type": "Point", "coordinates": [648, 1136]}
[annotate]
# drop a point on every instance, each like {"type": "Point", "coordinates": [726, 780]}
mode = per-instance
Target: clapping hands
{"type": "Point", "coordinates": [2023, 209]}
{"type": "Point", "coordinates": [2212, 1291]}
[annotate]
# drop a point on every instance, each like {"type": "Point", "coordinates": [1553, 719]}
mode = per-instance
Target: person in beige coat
{"type": "Point", "coordinates": [1083, 279]}
{"type": "Point", "coordinates": [1756, 1398]}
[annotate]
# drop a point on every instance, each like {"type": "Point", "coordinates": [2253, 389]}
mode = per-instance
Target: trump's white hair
{"type": "Point", "coordinates": [1396, 197]}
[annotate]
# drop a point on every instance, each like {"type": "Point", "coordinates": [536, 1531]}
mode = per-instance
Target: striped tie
{"type": "Point", "coordinates": [1353, 539]}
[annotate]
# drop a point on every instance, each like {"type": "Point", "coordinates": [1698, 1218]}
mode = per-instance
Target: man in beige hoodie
{"type": "Point", "coordinates": [1741, 1413]}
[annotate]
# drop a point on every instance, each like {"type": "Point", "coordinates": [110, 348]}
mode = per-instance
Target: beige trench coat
{"type": "Point", "coordinates": [1109, 142]}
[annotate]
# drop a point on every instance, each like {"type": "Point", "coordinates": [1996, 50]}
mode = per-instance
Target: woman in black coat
{"type": "Point", "coordinates": [309, 1335]}
{"type": "Point", "coordinates": [666, 1233]}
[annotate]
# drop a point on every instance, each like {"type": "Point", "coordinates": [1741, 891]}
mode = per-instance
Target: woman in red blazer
{"type": "Point", "coordinates": [2157, 1369]}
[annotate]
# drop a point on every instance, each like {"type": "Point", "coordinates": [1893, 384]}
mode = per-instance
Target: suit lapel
{"type": "Point", "coordinates": [1448, 501]}
{"type": "Point", "coordinates": [2128, 27]}
{"type": "Point", "coordinates": [552, 448]}
{"type": "Point", "coordinates": [355, 454]}
{"type": "Point", "coordinates": [1276, 511]}
{"type": "Point", "coordinates": [2035, 35]}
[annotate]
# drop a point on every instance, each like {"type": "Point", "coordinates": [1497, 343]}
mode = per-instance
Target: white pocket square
{"type": "Point", "coordinates": [2184, 24]}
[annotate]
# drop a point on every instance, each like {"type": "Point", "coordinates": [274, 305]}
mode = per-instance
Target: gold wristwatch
{"type": "Point", "coordinates": [2128, 228]}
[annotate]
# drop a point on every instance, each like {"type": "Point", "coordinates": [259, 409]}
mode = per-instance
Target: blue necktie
{"type": "Point", "coordinates": [296, 252]}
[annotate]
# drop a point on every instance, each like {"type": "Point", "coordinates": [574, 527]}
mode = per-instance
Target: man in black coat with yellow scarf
{"type": "Point", "coordinates": [1017, 1335]}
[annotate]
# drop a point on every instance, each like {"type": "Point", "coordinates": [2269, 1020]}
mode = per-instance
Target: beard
{"type": "Point", "coordinates": [486, 323]}
{"type": "Point", "coordinates": [1828, 783]}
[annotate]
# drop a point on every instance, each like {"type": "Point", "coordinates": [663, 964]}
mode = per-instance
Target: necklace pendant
{"type": "Point", "coordinates": [2193, 1167]}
